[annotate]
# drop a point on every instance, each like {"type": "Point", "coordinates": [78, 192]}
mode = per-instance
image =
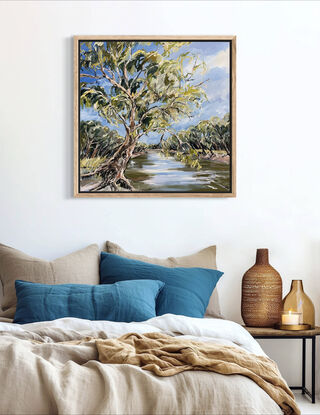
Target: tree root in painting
{"type": "Point", "coordinates": [117, 183]}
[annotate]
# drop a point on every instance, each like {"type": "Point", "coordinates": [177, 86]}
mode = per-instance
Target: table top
{"type": "Point", "coordinates": [270, 332]}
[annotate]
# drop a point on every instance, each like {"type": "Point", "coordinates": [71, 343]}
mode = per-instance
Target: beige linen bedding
{"type": "Point", "coordinates": [42, 374]}
{"type": "Point", "coordinates": [167, 356]}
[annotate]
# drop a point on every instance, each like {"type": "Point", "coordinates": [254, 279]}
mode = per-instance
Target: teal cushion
{"type": "Point", "coordinates": [123, 301]}
{"type": "Point", "coordinates": [186, 292]}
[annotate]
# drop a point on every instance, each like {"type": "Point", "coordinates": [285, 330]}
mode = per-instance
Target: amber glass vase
{"type": "Point", "coordinates": [297, 301]}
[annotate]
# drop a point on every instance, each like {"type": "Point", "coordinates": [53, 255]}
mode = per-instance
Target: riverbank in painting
{"type": "Point", "coordinates": [152, 171]}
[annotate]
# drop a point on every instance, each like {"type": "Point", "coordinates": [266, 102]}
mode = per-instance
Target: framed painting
{"type": "Point", "coordinates": [154, 116]}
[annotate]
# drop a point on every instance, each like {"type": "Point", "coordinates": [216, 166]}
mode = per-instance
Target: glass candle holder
{"type": "Point", "coordinates": [296, 302]}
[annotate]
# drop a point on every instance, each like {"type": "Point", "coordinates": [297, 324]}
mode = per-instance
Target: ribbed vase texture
{"type": "Point", "coordinates": [261, 301]}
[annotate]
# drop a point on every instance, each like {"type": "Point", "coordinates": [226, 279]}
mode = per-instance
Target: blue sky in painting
{"type": "Point", "coordinates": [216, 56]}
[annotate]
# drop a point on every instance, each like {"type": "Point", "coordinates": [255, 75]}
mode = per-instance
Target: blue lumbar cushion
{"type": "Point", "coordinates": [123, 301]}
{"type": "Point", "coordinates": [186, 292]}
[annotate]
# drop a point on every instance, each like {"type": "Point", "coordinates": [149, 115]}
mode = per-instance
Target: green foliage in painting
{"type": "Point", "coordinates": [97, 140]}
{"type": "Point", "coordinates": [208, 137]}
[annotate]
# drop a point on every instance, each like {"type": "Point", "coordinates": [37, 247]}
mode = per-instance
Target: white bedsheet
{"type": "Point", "coordinates": [206, 329]}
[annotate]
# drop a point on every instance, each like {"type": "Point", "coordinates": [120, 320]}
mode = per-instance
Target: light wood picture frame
{"type": "Point", "coordinates": [154, 116]}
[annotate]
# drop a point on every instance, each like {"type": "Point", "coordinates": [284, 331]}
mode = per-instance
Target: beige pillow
{"type": "Point", "coordinates": [80, 267]}
{"type": "Point", "coordinates": [206, 258]}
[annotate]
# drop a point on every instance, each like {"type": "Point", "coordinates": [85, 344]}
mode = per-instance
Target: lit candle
{"type": "Point", "coordinates": [290, 318]}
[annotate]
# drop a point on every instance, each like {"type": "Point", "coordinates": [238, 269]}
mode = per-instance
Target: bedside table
{"type": "Point", "coordinates": [269, 333]}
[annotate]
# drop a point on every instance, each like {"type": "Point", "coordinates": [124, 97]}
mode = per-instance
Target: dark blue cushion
{"type": "Point", "coordinates": [186, 292]}
{"type": "Point", "coordinates": [124, 301]}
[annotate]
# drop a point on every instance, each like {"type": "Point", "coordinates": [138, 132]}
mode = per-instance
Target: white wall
{"type": "Point", "coordinates": [278, 145]}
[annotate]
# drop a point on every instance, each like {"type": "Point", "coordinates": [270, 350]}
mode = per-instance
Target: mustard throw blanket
{"type": "Point", "coordinates": [166, 356]}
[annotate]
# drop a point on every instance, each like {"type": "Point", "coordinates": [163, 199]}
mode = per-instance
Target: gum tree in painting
{"type": "Point", "coordinates": [132, 92]}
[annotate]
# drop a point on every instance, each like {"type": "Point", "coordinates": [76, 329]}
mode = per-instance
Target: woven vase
{"type": "Point", "coordinates": [261, 301]}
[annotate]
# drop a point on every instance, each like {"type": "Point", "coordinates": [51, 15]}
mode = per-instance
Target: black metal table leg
{"type": "Point", "coordinates": [303, 365]}
{"type": "Point", "coordinates": [313, 390]}
{"type": "Point", "coordinates": [307, 334]}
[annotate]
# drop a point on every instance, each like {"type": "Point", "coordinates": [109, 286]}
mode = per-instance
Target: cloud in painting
{"type": "Point", "coordinates": [218, 90]}
{"type": "Point", "coordinates": [219, 60]}
{"type": "Point", "coordinates": [89, 113]}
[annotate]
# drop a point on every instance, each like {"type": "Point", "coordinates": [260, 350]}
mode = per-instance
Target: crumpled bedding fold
{"type": "Point", "coordinates": [167, 356]}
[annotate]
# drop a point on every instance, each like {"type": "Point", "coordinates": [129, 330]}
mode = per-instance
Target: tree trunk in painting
{"type": "Point", "coordinates": [112, 172]}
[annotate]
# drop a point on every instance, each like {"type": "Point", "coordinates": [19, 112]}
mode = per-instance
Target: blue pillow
{"type": "Point", "coordinates": [124, 301]}
{"type": "Point", "coordinates": [186, 292]}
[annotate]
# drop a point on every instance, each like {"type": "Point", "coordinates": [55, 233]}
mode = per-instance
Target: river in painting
{"type": "Point", "coordinates": [152, 171]}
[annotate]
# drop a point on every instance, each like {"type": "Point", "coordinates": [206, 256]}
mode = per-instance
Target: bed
{"type": "Point", "coordinates": [54, 367]}
{"type": "Point", "coordinates": [44, 371]}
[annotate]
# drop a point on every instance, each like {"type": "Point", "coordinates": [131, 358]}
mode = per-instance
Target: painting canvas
{"type": "Point", "coordinates": [154, 117]}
